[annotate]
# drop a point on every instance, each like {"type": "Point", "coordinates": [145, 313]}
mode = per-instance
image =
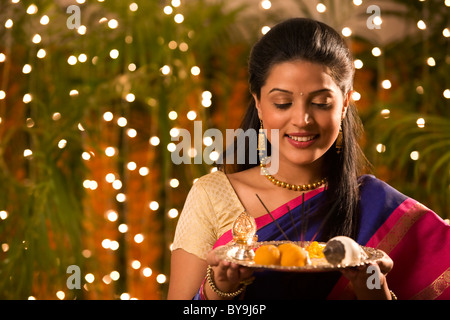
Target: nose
{"type": "Point", "coordinates": [301, 115]}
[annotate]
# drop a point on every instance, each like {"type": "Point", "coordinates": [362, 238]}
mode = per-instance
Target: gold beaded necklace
{"type": "Point", "coordinates": [289, 186]}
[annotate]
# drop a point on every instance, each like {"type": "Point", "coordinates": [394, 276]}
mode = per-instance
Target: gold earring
{"type": "Point", "coordinates": [339, 140]}
{"type": "Point", "coordinates": [261, 139]}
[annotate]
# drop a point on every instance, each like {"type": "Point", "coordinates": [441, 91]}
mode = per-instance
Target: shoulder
{"type": "Point", "coordinates": [376, 193]}
{"type": "Point", "coordinates": [210, 179]}
{"type": "Point", "coordinates": [213, 184]}
{"type": "Point", "coordinates": [376, 190]}
{"type": "Point", "coordinates": [216, 187]}
{"type": "Point", "coordinates": [372, 181]}
{"type": "Point", "coordinates": [378, 200]}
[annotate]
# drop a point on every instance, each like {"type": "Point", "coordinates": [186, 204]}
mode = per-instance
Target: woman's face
{"type": "Point", "coordinates": [303, 102]}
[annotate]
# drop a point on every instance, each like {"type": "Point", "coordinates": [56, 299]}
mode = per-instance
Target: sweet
{"type": "Point", "coordinates": [287, 254]}
{"type": "Point", "coordinates": [292, 255]}
{"type": "Point", "coordinates": [267, 255]}
{"type": "Point", "coordinates": [344, 251]}
{"type": "Point", "coordinates": [315, 250]}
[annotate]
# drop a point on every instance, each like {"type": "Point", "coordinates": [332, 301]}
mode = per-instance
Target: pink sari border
{"type": "Point", "coordinates": [266, 219]}
{"type": "Point", "coordinates": [405, 206]}
{"type": "Point", "coordinates": [426, 264]}
{"type": "Point", "coordinates": [431, 262]}
{"type": "Point", "coordinates": [340, 289]}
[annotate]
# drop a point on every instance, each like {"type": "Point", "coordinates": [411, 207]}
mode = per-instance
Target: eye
{"type": "Point", "coordinates": [282, 105]}
{"type": "Point", "coordinates": [322, 105]}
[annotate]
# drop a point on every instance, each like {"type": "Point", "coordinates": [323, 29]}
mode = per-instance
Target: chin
{"type": "Point", "coordinates": [304, 160]}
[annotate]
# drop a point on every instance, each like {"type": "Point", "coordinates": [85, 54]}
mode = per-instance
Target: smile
{"type": "Point", "coordinates": [301, 139]}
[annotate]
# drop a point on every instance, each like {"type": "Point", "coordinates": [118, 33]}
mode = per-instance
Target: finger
{"type": "Point", "coordinates": [212, 259]}
{"type": "Point", "coordinates": [246, 276]}
{"type": "Point", "coordinates": [385, 263]}
{"type": "Point", "coordinates": [223, 266]}
{"type": "Point", "coordinates": [245, 273]}
{"type": "Point", "coordinates": [233, 272]}
{"type": "Point", "coordinates": [384, 268]}
{"type": "Point", "coordinates": [220, 270]}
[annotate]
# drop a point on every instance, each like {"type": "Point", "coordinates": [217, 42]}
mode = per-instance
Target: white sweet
{"type": "Point", "coordinates": [351, 254]}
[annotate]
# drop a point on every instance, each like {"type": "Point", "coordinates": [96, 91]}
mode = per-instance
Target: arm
{"type": "Point", "coordinates": [186, 275]}
{"type": "Point", "coordinates": [195, 236]}
{"type": "Point", "coordinates": [188, 271]}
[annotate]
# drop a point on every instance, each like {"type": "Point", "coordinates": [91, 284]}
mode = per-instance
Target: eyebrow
{"type": "Point", "coordinates": [282, 90]}
{"type": "Point", "coordinates": [322, 90]}
{"type": "Point", "coordinates": [290, 92]}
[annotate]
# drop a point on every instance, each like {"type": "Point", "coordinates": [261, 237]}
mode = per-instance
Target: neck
{"type": "Point", "coordinates": [300, 174]}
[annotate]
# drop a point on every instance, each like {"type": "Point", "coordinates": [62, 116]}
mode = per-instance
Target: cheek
{"type": "Point", "coordinates": [273, 129]}
{"type": "Point", "coordinates": [328, 129]}
{"type": "Point", "coordinates": [332, 131]}
{"type": "Point", "coordinates": [329, 122]}
{"type": "Point", "coordinates": [274, 121]}
{"type": "Point", "coordinates": [333, 126]}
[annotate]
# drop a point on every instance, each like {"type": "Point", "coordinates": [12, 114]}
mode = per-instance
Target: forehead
{"type": "Point", "coordinates": [299, 75]}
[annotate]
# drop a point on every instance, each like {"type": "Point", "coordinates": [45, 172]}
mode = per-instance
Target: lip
{"type": "Point", "coordinates": [301, 134]}
{"type": "Point", "coordinates": [307, 139]}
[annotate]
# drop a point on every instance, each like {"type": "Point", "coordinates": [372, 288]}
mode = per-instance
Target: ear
{"type": "Point", "coordinates": [347, 99]}
{"type": "Point", "coordinates": [257, 105]}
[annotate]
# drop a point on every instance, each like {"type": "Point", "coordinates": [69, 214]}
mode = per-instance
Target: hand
{"type": "Point", "coordinates": [227, 275]}
{"type": "Point", "coordinates": [363, 286]}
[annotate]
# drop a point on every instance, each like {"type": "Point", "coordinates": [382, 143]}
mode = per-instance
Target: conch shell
{"type": "Point", "coordinates": [344, 251]}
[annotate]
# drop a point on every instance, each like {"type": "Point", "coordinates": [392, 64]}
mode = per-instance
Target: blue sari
{"type": "Point", "coordinates": [389, 220]}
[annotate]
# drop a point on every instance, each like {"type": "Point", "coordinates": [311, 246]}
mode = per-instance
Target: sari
{"type": "Point", "coordinates": [416, 239]}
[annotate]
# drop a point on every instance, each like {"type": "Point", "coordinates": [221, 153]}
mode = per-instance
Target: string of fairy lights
{"type": "Point", "coordinates": [111, 151]}
{"type": "Point", "coordinates": [386, 83]}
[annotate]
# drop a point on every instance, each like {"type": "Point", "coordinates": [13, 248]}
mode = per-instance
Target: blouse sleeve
{"type": "Point", "coordinates": [196, 231]}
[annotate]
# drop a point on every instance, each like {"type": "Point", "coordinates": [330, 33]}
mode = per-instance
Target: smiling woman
{"type": "Point", "coordinates": [308, 123]}
{"type": "Point", "coordinates": [301, 77]}
{"type": "Point", "coordinates": [306, 56]}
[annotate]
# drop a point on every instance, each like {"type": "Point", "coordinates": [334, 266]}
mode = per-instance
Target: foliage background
{"type": "Point", "coordinates": [58, 209]}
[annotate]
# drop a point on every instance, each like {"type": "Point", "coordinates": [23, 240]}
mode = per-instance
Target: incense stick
{"type": "Point", "coordinates": [305, 219]}
{"type": "Point", "coordinates": [276, 223]}
{"type": "Point", "coordinates": [304, 227]}
{"type": "Point", "coordinates": [293, 223]}
{"type": "Point", "coordinates": [324, 220]}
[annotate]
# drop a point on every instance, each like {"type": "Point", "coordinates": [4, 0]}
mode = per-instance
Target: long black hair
{"type": "Point", "coordinates": [313, 41]}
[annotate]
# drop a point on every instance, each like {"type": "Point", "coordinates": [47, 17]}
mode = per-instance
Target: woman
{"type": "Point", "coordinates": [301, 77]}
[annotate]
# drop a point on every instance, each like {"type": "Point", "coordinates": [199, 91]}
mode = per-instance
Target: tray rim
{"type": "Point", "coordinates": [222, 253]}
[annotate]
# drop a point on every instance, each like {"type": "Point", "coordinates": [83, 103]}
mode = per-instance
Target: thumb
{"type": "Point", "coordinates": [212, 258]}
{"type": "Point", "coordinates": [385, 263]}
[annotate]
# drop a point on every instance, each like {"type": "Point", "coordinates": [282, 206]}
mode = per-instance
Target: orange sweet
{"type": "Point", "coordinates": [292, 255]}
{"type": "Point", "coordinates": [315, 250]}
{"type": "Point", "coordinates": [267, 255]}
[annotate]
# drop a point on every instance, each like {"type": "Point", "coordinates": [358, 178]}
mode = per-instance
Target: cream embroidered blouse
{"type": "Point", "coordinates": [210, 209]}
